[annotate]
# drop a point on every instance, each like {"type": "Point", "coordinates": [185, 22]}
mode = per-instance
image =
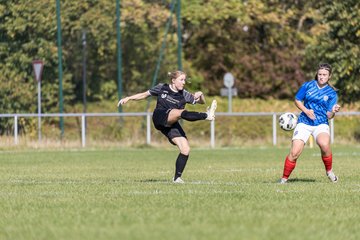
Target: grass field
{"type": "Point", "coordinates": [127, 194]}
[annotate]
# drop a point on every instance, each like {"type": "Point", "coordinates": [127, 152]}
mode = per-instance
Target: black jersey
{"type": "Point", "coordinates": [168, 99]}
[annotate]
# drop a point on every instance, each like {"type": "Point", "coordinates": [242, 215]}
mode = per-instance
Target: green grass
{"type": "Point", "coordinates": [127, 194]}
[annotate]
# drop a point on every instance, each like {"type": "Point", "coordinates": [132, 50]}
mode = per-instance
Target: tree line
{"type": "Point", "coordinates": [271, 47]}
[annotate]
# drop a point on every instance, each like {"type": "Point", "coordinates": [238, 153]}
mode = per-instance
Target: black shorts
{"type": "Point", "coordinates": [160, 117]}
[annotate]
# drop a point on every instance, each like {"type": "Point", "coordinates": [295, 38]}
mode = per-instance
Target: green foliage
{"type": "Point", "coordinates": [269, 46]}
{"type": "Point", "coordinates": [27, 32]}
{"type": "Point", "coordinates": [259, 43]}
{"type": "Point", "coordinates": [339, 44]}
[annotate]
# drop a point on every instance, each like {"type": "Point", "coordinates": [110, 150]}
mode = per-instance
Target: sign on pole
{"type": "Point", "coordinates": [229, 83]}
{"type": "Point", "coordinates": [228, 80]}
{"type": "Point", "coordinates": [38, 66]}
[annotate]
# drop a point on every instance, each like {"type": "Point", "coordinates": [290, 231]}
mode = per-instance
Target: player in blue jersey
{"type": "Point", "coordinates": [170, 108]}
{"type": "Point", "coordinates": [317, 99]}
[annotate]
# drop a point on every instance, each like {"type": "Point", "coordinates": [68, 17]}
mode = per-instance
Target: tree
{"type": "Point", "coordinates": [27, 32]}
{"type": "Point", "coordinates": [260, 43]}
{"type": "Point", "coordinates": [339, 44]}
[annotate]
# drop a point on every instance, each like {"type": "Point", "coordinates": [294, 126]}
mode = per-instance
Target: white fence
{"type": "Point", "coordinates": [148, 122]}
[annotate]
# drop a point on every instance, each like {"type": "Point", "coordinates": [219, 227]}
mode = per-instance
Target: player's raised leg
{"type": "Point", "coordinates": [176, 114]}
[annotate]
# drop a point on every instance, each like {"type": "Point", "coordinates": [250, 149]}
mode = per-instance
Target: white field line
{"type": "Point", "coordinates": [339, 154]}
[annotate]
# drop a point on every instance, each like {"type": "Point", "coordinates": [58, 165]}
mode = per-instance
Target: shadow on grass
{"type": "Point", "coordinates": [301, 180]}
{"type": "Point", "coordinates": [151, 180]}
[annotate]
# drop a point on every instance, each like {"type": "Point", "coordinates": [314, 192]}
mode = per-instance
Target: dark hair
{"type": "Point", "coordinates": [327, 67]}
{"type": "Point", "coordinates": [175, 74]}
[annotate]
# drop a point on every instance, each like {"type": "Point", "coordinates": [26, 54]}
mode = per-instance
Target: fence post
{"type": "Point", "coordinates": [332, 130]}
{"type": "Point", "coordinates": [16, 129]}
{"type": "Point", "coordinates": [83, 131]}
{"type": "Point", "coordinates": [212, 134]}
{"type": "Point", "coordinates": [148, 129]}
{"type": "Point", "coordinates": [311, 141]}
{"type": "Point", "coordinates": [274, 129]}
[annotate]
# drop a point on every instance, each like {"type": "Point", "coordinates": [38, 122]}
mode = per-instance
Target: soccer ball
{"type": "Point", "coordinates": [287, 121]}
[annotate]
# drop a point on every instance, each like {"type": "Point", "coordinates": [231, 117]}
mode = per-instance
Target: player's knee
{"type": "Point", "coordinates": [325, 149]}
{"type": "Point", "coordinates": [185, 150]}
{"type": "Point", "coordinates": [294, 155]}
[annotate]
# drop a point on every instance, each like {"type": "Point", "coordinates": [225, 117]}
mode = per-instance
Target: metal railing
{"type": "Point", "coordinates": [148, 121]}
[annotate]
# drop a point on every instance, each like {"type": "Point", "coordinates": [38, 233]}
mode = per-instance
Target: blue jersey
{"type": "Point", "coordinates": [321, 100]}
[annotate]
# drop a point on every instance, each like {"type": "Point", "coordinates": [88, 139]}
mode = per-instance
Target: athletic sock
{"type": "Point", "coordinates": [327, 162]}
{"type": "Point", "coordinates": [288, 167]}
{"type": "Point", "coordinates": [180, 164]}
{"type": "Point", "coordinates": [193, 116]}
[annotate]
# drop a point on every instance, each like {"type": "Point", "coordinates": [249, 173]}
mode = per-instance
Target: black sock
{"type": "Point", "coordinates": [193, 116]}
{"type": "Point", "coordinates": [180, 164]}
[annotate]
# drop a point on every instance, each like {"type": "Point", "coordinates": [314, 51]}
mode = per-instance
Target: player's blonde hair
{"type": "Point", "coordinates": [175, 74]}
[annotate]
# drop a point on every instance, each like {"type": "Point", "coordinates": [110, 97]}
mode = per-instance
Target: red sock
{"type": "Point", "coordinates": [288, 167]}
{"type": "Point", "coordinates": [327, 162]}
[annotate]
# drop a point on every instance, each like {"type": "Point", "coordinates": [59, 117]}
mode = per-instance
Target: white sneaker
{"type": "Point", "coordinates": [331, 175]}
{"type": "Point", "coordinates": [211, 111]}
{"type": "Point", "coordinates": [178, 181]}
{"type": "Point", "coordinates": [283, 181]}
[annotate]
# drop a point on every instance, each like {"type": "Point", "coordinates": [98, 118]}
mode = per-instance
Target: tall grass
{"type": "Point", "coordinates": [127, 194]}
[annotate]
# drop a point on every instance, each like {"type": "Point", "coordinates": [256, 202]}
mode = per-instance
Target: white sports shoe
{"type": "Point", "coordinates": [211, 111]}
{"type": "Point", "coordinates": [331, 175]}
{"type": "Point", "coordinates": [178, 181]}
{"type": "Point", "coordinates": [283, 181]}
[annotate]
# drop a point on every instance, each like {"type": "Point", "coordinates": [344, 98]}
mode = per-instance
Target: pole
{"type": "Point", "coordinates": [332, 130]}
{"type": "Point", "coordinates": [212, 134]}
{"type": "Point", "coordinates": [230, 99]}
{"type": "Point", "coordinates": [83, 131]}
{"type": "Point", "coordinates": [39, 110]}
{"type": "Point", "coordinates": [148, 128]}
{"type": "Point", "coordinates": [16, 130]}
{"type": "Point", "coordinates": [178, 16]}
{"type": "Point", "coordinates": [119, 67]}
{"type": "Point", "coordinates": [163, 45]}
{"type": "Point", "coordinates": [60, 66]}
{"type": "Point", "coordinates": [274, 122]}
{"type": "Point", "coordinates": [84, 73]}
{"type": "Point", "coordinates": [38, 66]}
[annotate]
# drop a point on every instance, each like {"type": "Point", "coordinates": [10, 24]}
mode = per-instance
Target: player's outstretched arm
{"type": "Point", "coordinates": [138, 96]}
{"type": "Point", "coordinates": [199, 97]}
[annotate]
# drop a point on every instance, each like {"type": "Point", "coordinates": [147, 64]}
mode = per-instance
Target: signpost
{"type": "Point", "coordinates": [38, 66]}
{"type": "Point", "coordinates": [229, 83]}
{"type": "Point", "coordinates": [84, 71]}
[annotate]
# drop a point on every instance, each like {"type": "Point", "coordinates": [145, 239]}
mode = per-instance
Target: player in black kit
{"type": "Point", "coordinates": [170, 107]}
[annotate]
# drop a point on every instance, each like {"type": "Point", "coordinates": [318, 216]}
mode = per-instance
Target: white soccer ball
{"type": "Point", "coordinates": [288, 121]}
